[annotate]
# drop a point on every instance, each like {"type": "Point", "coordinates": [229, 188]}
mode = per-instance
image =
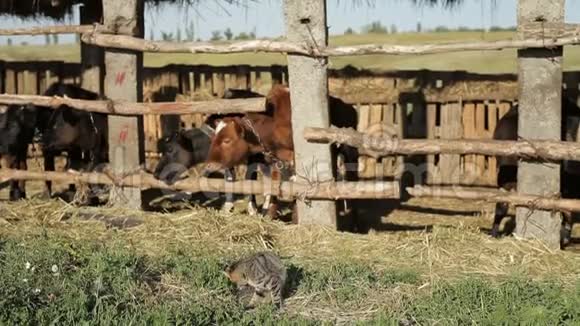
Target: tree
{"type": "Point", "coordinates": [500, 29]}
{"type": "Point", "coordinates": [253, 34]}
{"type": "Point", "coordinates": [9, 42]}
{"type": "Point", "coordinates": [47, 39]}
{"type": "Point", "coordinates": [216, 36]}
{"type": "Point", "coordinates": [166, 36]}
{"type": "Point", "coordinates": [376, 28]}
{"type": "Point", "coordinates": [419, 27]}
{"type": "Point", "coordinates": [55, 39]}
{"type": "Point", "coordinates": [190, 32]}
{"type": "Point", "coordinates": [242, 36]}
{"type": "Point", "coordinates": [349, 31]}
{"type": "Point", "coordinates": [178, 35]}
{"type": "Point", "coordinates": [228, 34]}
{"type": "Point", "coordinates": [394, 29]}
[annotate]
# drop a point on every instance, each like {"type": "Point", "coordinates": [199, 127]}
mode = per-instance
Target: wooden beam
{"type": "Point", "coordinates": [299, 48]}
{"type": "Point", "coordinates": [540, 112]}
{"type": "Point", "coordinates": [540, 35]}
{"type": "Point", "coordinates": [140, 180]}
{"type": "Point", "coordinates": [498, 196]}
{"type": "Point", "coordinates": [92, 57]}
{"type": "Point", "coordinates": [130, 108]}
{"type": "Point", "coordinates": [123, 81]}
{"type": "Point", "coordinates": [306, 23]}
{"type": "Point", "coordinates": [377, 146]}
{"type": "Point", "coordinates": [66, 29]}
{"type": "Point", "coordinates": [137, 44]}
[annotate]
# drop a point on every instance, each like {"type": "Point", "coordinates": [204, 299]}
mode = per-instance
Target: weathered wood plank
{"type": "Point", "coordinates": [518, 199]}
{"type": "Point", "coordinates": [137, 108]}
{"type": "Point", "coordinates": [303, 48]}
{"type": "Point", "coordinates": [491, 160]}
{"type": "Point", "coordinates": [451, 128]}
{"type": "Point", "coordinates": [432, 128]}
{"type": "Point", "coordinates": [381, 146]}
{"type": "Point", "coordinates": [363, 125]}
{"type": "Point", "coordinates": [481, 133]}
{"type": "Point", "coordinates": [468, 133]}
{"type": "Point", "coordinates": [375, 123]}
{"type": "Point", "coordinates": [329, 190]}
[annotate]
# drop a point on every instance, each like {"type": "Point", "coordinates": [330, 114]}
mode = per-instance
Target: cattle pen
{"type": "Point", "coordinates": [116, 47]}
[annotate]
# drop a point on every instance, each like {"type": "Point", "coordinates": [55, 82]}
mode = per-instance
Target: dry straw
{"type": "Point", "coordinates": [437, 247]}
{"type": "Point", "coordinates": [449, 247]}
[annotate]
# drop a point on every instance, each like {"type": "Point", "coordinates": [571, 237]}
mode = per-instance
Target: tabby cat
{"type": "Point", "coordinates": [264, 272]}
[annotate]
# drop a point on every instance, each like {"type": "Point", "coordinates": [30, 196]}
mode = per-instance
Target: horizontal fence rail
{"type": "Point", "coordinates": [139, 44]}
{"type": "Point", "coordinates": [128, 108]}
{"type": "Point", "coordinates": [540, 36]}
{"type": "Point", "coordinates": [62, 29]}
{"type": "Point", "coordinates": [514, 198]}
{"type": "Point", "coordinates": [284, 189]}
{"type": "Point", "coordinates": [377, 146]}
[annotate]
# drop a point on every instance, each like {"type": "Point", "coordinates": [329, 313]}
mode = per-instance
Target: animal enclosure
{"type": "Point", "coordinates": [414, 104]}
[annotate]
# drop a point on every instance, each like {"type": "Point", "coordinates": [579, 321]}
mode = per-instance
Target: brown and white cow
{"type": "Point", "coordinates": [270, 133]}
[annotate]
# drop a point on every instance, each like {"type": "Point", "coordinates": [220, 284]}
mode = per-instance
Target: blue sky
{"type": "Point", "coordinates": [265, 16]}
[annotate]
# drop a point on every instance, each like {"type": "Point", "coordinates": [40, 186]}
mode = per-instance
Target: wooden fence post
{"type": "Point", "coordinates": [2, 77]}
{"type": "Point", "coordinates": [123, 82]}
{"type": "Point", "coordinates": [540, 84]}
{"type": "Point", "coordinates": [306, 23]}
{"type": "Point", "coordinates": [92, 57]}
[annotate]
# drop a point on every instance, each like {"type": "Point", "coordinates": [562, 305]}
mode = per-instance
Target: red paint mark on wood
{"type": "Point", "coordinates": [120, 78]}
{"type": "Point", "coordinates": [123, 134]}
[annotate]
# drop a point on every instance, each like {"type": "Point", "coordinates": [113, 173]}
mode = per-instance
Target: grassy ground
{"type": "Point", "coordinates": [429, 264]}
{"type": "Point", "coordinates": [483, 62]}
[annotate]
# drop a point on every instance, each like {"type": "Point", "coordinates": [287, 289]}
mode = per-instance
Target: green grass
{"type": "Point", "coordinates": [49, 279]}
{"type": "Point", "coordinates": [60, 264]}
{"type": "Point", "coordinates": [476, 61]}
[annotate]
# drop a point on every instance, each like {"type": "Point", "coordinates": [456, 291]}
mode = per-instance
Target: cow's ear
{"type": "Point", "coordinates": [70, 116]}
{"type": "Point", "coordinates": [238, 124]}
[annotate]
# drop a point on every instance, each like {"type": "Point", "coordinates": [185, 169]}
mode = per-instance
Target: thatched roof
{"type": "Point", "coordinates": [59, 9]}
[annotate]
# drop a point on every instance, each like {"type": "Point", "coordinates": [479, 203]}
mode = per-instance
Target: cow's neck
{"type": "Point", "coordinates": [254, 143]}
{"type": "Point", "coordinates": [253, 137]}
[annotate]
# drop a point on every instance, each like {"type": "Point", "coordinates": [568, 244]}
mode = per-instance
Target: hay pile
{"type": "Point", "coordinates": [446, 251]}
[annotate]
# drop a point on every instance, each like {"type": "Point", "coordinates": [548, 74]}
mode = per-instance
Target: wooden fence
{"type": "Point", "coordinates": [415, 104]}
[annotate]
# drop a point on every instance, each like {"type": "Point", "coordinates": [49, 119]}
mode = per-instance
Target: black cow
{"type": "Point", "coordinates": [82, 135]}
{"type": "Point", "coordinates": [17, 126]}
{"type": "Point", "coordinates": [507, 129]}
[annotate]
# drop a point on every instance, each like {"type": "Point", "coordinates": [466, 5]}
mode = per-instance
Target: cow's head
{"type": "Point", "coordinates": [229, 146]}
{"type": "Point", "coordinates": [179, 152]}
{"type": "Point", "coordinates": [63, 128]}
{"type": "Point", "coordinates": [17, 123]}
